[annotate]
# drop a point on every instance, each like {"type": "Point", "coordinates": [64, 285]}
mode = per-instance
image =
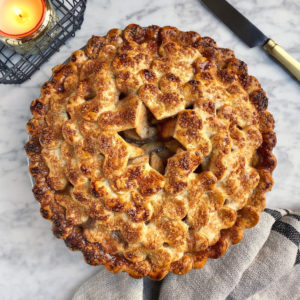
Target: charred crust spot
{"type": "Point", "coordinates": [267, 122]}
{"type": "Point", "coordinates": [149, 75]}
{"type": "Point", "coordinates": [135, 33]}
{"type": "Point", "coordinates": [194, 82]}
{"type": "Point", "coordinates": [34, 171]}
{"type": "Point", "coordinates": [46, 85]}
{"type": "Point", "coordinates": [44, 213]}
{"type": "Point", "coordinates": [47, 136]}
{"type": "Point", "coordinates": [84, 170]}
{"type": "Point", "coordinates": [152, 32]}
{"type": "Point", "coordinates": [116, 207]}
{"type": "Point", "coordinates": [195, 86]}
{"type": "Point", "coordinates": [204, 43]}
{"type": "Point", "coordinates": [206, 76]}
{"type": "Point", "coordinates": [209, 107]}
{"type": "Point", "coordinates": [125, 61]}
{"type": "Point", "coordinates": [190, 37]}
{"type": "Point", "coordinates": [79, 197]}
{"type": "Point", "coordinates": [168, 33]}
{"type": "Point", "coordinates": [37, 107]}
{"type": "Point", "coordinates": [244, 80]}
{"type": "Point", "coordinates": [259, 100]}
{"type": "Point", "coordinates": [126, 46]}
{"type": "Point", "coordinates": [267, 159]}
{"type": "Point", "coordinates": [94, 45]}
{"type": "Point", "coordinates": [172, 77]}
{"type": "Point", "coordinates": [33, 146]}
{"type": "Point", "coordinates": [223, 56]}
{"type": "Point", "coordinates": [233, 89]}
{"type": "Point", "coordinates": [73, 58]}
{"type": "Point", "coordinates": [75, 240]}
{"type": "Point", "coordinates": [225, 76]}
{"type": "Point", "coordinates": [238, 66]}
{"type": "Point", "coordinates": [209, 52]}
{"type": "Point", "coordinates": [269, 140]}
{"type": "Point", "coordinates": [138, 213]}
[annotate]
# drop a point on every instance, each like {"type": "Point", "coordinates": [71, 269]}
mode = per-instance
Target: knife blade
{"type": "Point", "coordinates": [250, 34]}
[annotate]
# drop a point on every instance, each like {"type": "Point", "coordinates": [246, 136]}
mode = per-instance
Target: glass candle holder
{"type": "Point", "coordinates": [25, 23]}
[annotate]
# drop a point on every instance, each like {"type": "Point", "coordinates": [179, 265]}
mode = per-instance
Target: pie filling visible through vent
{"type": "Point", "coordinates": [151, 150]}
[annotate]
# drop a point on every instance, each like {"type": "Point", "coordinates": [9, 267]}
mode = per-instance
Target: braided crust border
{"type": "Point", "coordinates": [247, 217]}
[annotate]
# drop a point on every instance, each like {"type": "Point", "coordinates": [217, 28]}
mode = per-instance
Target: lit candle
{"type": "Point", "coordinates": [24, 24]}
{"type": "Point", "coordinates": [20, 18]}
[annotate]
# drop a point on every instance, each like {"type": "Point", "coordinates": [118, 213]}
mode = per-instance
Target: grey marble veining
{"type": "Point", "coordinates": [36, 265]}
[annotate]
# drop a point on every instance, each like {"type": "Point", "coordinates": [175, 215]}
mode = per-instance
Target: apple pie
{"type": "Point", "coordinates": [151, 150]}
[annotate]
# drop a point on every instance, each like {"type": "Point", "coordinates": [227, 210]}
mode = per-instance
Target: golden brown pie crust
{"type": "Point", "coordinates": [116, 199]}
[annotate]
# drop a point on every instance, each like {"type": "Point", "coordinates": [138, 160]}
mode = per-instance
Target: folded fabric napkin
{"type": "Point", "coordinates": [265, 265]}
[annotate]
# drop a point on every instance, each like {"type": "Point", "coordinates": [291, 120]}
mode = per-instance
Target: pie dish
{"type": "Point", "coordinates": [151, 150]}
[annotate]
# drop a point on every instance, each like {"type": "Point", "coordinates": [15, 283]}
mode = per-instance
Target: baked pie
{"type": "Point", "coordinates": [151, 150]}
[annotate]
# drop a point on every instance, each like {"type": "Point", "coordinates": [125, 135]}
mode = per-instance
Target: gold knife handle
{"type": "Point", "coordinates": [291, 64]}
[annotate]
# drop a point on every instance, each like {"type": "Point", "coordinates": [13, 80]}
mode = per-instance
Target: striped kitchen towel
{"type": "Point", "coordinates": [265, 265]}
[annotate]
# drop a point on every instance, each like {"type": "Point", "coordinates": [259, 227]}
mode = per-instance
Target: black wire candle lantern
{"type": "Point", "coordinates": [21, 57]}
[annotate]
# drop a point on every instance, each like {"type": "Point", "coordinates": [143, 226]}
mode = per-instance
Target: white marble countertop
{"type": "Point", "coordinates": [36, 265]}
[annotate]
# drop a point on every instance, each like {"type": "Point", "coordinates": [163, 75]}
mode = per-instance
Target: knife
{"type": "Point", "coordinates": [251, 35]}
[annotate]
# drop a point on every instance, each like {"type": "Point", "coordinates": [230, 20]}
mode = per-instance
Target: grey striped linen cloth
{"type": "Point", "coordinates": [265, 265]}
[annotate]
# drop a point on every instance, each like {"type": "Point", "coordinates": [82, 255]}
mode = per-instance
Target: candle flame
{"type": "Point", "coordinates": [17, 11]}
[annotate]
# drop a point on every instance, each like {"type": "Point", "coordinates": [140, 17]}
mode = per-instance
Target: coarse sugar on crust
{"type": "Point", "coordinates": [151, 150]}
